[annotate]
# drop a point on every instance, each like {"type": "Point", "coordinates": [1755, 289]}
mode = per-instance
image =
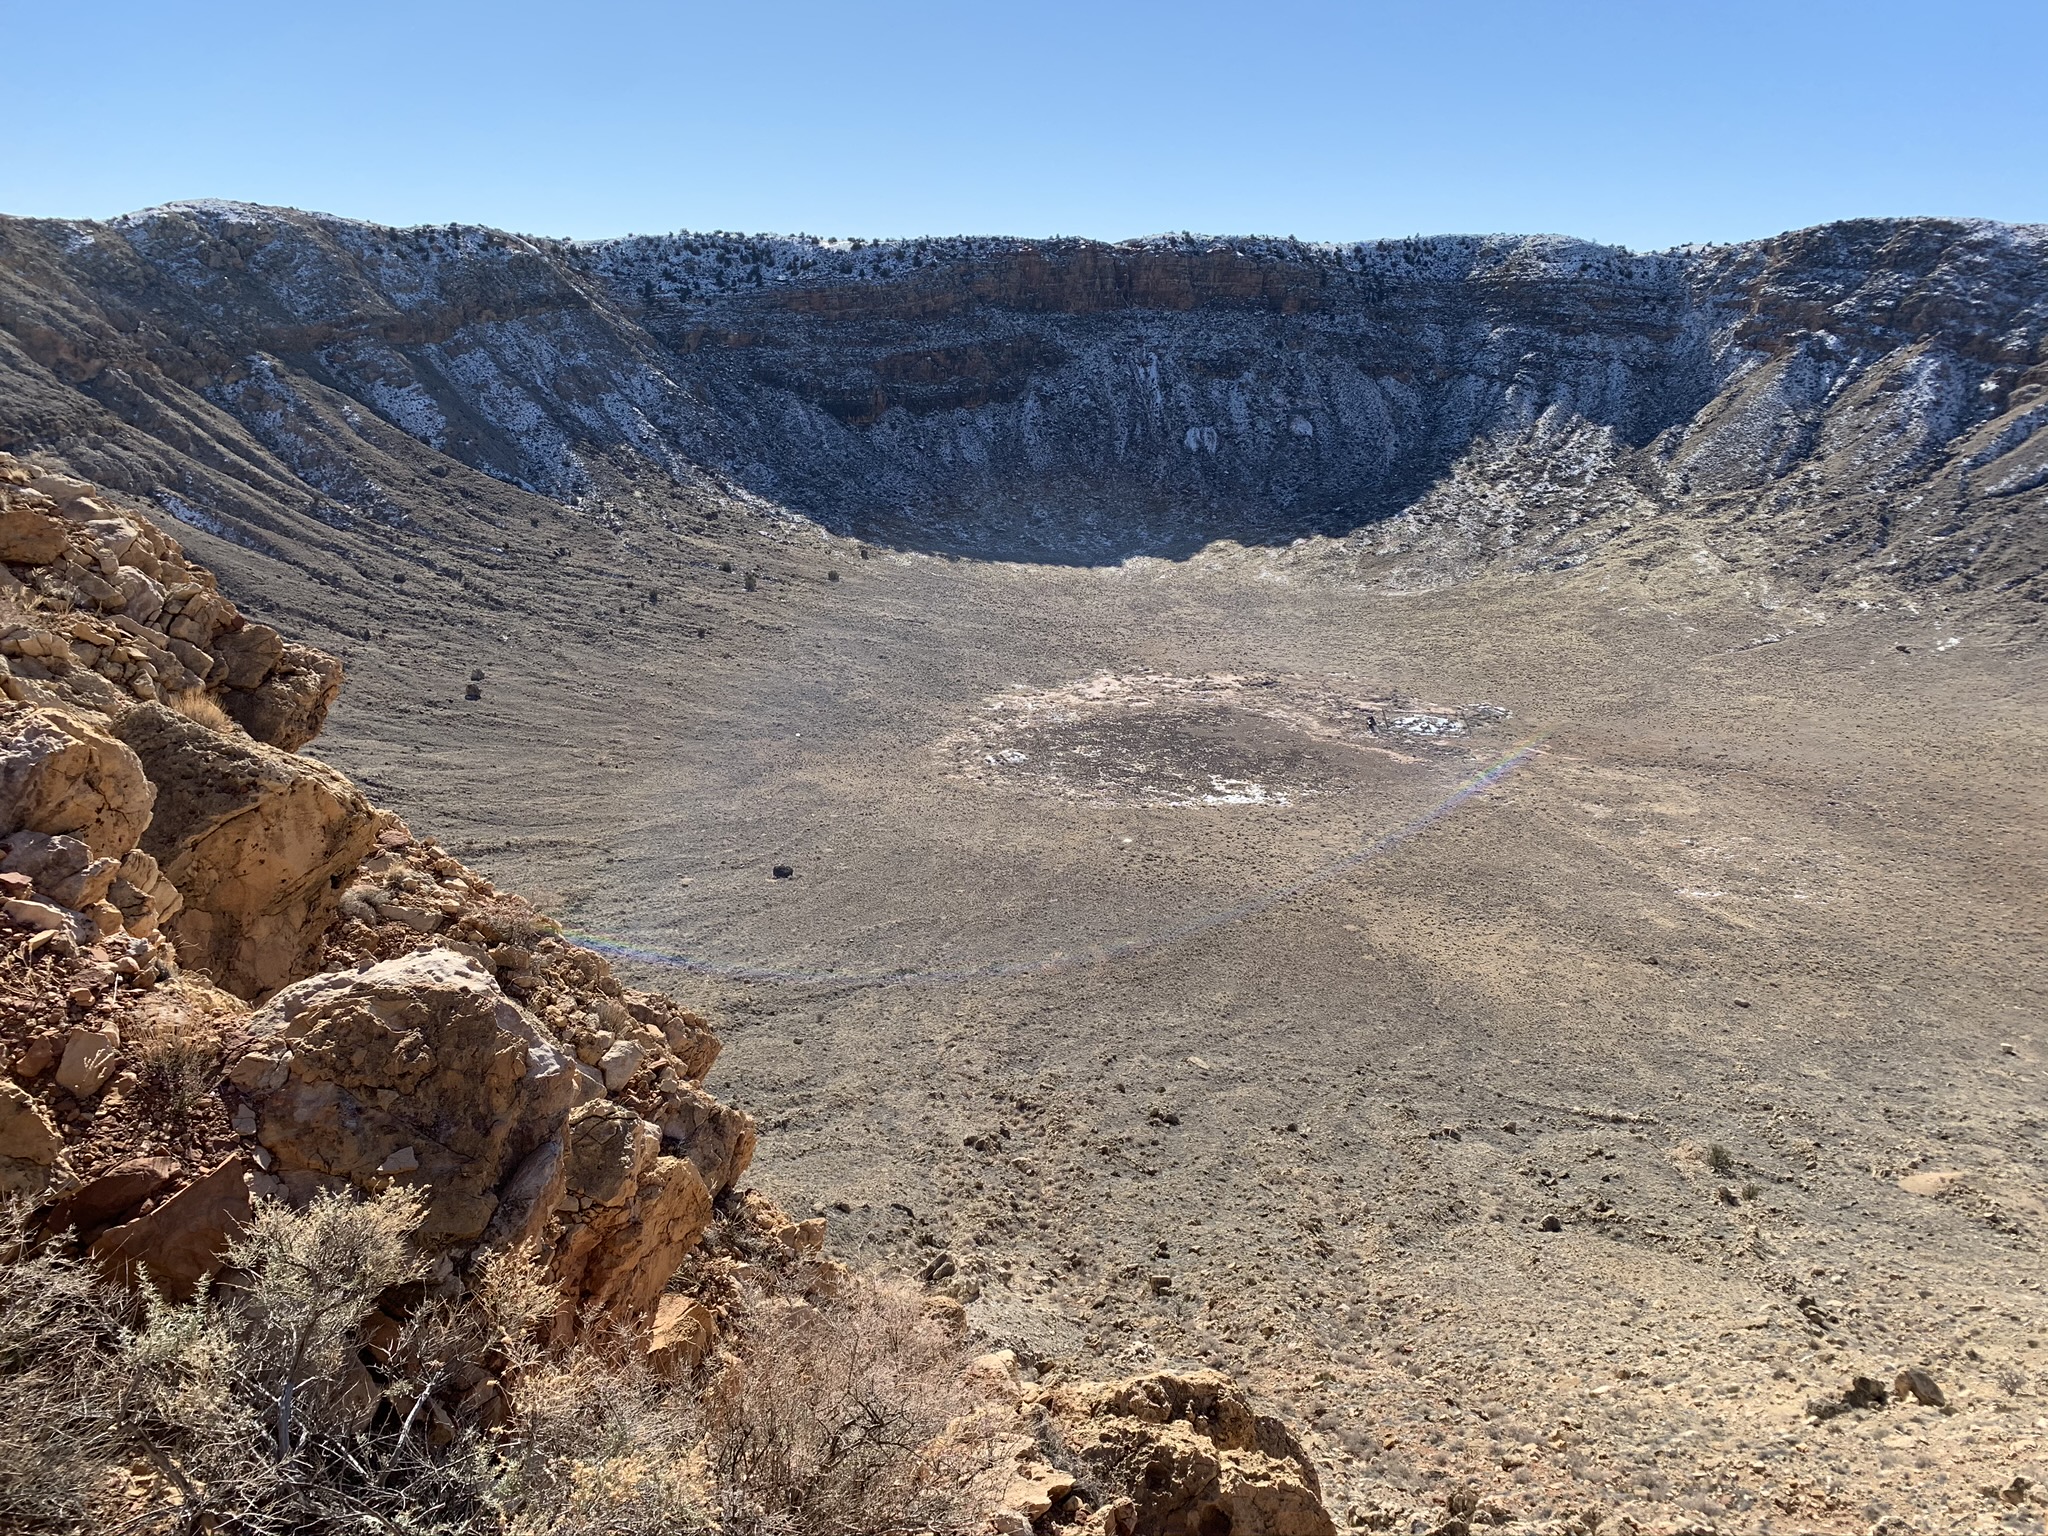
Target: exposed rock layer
{"type": "Point", "coordinates": [1872, 392]}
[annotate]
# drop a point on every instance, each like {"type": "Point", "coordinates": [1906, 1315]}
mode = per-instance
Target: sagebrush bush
{"type": "Point", "coordinates": [57, 1438]}
{"type": "Point", "coordinates": [253, 1410]}
{"type": "Point", "coordinates": [822, 1411]}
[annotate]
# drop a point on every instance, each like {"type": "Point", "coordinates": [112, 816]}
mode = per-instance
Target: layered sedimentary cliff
{"type": "Point", "coordinates": [1868, 395]}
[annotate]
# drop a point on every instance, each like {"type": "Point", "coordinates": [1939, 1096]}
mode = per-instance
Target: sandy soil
{"type": "Point", "coordinates": [1722, 946]}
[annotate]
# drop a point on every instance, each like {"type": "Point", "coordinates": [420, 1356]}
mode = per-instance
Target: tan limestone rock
{"type": "Point", "coordinates": [60, 774]}
{"type": "Point", "coordinates": [348, 1070]}
{"type": "Point", "coordinates": [289, 707]}
{"type": "Point", "coordinates": [253, 837]}
{"type": "Point", "coordinates": [31, 1151]}
{"type": "Point", "coordinates": [248, 655]}
{"type": "Point", "coordinates": [618, 1257]}
{"type": "Point", "coordinates": [183, 1240]}
{"type": "Point", "coordinates": [30, 537]}
{"type": "Point", "coordinates": [682, 1334]}
{"type": "Point", "coordinates": [89, 1059]}
{"type": "Point", "coordinates": [689, 1037]}
{"type": "Point", "coordinates": [715, 1137]}
{"type": "Point", "coordinates": [1191, 1454]}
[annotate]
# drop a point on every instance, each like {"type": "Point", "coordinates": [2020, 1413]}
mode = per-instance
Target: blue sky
{"type": "Point", "coordinates": [1645, 124]}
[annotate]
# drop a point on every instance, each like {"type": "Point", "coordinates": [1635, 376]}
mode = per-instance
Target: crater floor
{"type": "Point", "coordinates": [1219, 1025]}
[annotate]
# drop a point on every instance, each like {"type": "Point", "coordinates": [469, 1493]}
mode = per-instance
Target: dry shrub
{"type": "Point", "coordinates": [849, 1416]}
{"type": "Point", "coordinates": [177, 1063]}
{"type": "Point", "coordinates": [197, 705]}
{"type": "Point", "coordinates": [600, 1447]}
{"type": "Point", "coordinates": [56, 1439]}
{"type": "Point", "coordinates": [255, 1412]}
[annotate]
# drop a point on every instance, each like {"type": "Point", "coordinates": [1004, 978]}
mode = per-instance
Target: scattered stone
{"type": "Point", "coordinates": [39, 1057]}
{"type": "Point", "coordinates": [1916, 1384]}
{"type": "Point", "coordinates": [784, 871]}
{"type": "Point", "coordinates": [39, 916]}
{"type": "Point", "coordinates": [1865, 1392]}
{"type": "Point", "coordinates": [1550, 1224]}
{"type": "Point", "coordinates": [620, 1062]}
{"type": "Point", "coordinates": [90, 1056]}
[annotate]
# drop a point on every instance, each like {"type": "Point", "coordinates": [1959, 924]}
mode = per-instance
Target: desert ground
{"type": "Point", "coordinates": [1548, 1088]}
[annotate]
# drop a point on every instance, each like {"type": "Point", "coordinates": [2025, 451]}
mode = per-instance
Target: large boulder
{"type": "Point", "coordinates": [30, 536]}
{"type": "Point", "coordinates": [289, 705]}
{"type": "Point", "coordinates": [61, 775]}
{"type": "Point", "coordinates": [255, 838]}
{"type": "Point", "coordinates": [1190, 1454]}
{"type": "Point", "coordinates": [416, 1071]}
{"type": "Point", "coordinates": [421, 1071]}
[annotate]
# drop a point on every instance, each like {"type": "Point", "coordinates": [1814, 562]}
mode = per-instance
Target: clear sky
{"type": "Point", "coordinates": [1645, 122]}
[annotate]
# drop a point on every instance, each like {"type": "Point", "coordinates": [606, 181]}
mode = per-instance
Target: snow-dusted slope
{"type": "Point", "coordinates": [1862, 393]}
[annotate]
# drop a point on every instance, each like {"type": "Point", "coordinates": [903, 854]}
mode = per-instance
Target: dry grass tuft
{"type": "Point", "coordinates": [198, 705]}
{"type": "Point", "coordinates": [177, 1063]}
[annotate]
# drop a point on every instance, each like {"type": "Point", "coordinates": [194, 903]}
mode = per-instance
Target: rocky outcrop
{"type": "Point", "coordinates": [101, 608]}
{"type": "Point", "coordinates": [1160, 1455]}
{"type": "Point", "coordinates": [417, 1027]}
{"type": "Point", "coordinates": [421, 1071]}
{"type": "Point", "coordinates": [256, 838]}
{"type": "Point", "coordinates": [288, 702]}
{"type": "Point", "coordinates": [417, 1070]}
{"type": "Point", "coordinates": [61, 775]}
{"type": "Point", "coordinates": [1192, 1455]}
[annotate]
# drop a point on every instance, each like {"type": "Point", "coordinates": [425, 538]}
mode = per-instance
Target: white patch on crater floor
{"type": "Point", "coordinates": [1217, 740]}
